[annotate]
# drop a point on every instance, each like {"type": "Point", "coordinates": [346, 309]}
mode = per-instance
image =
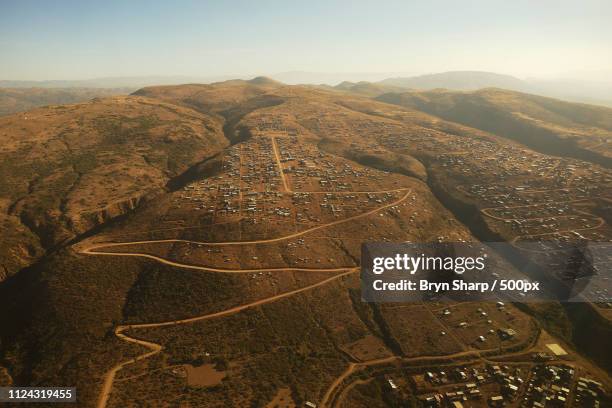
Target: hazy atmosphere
{"type": "Point", "coordinates": [355, 40]}
{"type": "Point", "coordinates": [306, 204]}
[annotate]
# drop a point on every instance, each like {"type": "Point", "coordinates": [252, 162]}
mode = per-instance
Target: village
{"type": "Point", "coordinates": [501, 385]}
{"type": "Point", "coordinates": [542, 205]}
{"type": "Point", "coordinates": [303, 188]}
{"type": "Point", "coordinates": [271, 202]}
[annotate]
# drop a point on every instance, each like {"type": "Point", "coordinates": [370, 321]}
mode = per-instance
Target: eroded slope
{"type": "Point", "coordinates": [66, 169]}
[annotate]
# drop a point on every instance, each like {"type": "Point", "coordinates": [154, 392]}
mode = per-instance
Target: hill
{"type": "Point", "coordinates": [212, 98]}
{"type": "Point", "coordinates": [238, 285]}
{"type": "Point", "coordinates": [458, 80]}
{"type": "Point", "coordinates": [66, 169]}
{"type": "Point", "coordinates": [68, 331]}
{"type": "Point", "coordinates": [14, 100]}
{"type": "Point", "coordinates": [548, 125]}
{"type": "Point", "coordinates": [575, 90]}
{"type": "Point", "coordinates": [111, 82]}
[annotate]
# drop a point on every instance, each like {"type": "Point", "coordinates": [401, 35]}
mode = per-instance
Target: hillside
{"type": "Point", "coordinates": [66, 169]}
{"type": "Point", "coordinates": [368, 89]}
{"type": "Point", "coordinates": [238, 284]}
{"type": "Point", "coordinates": [66, 334]}
{"type": "Point", "coordinates": [458, 80]}
{"type": "Point", "coordinates": [13, 100]}
{"type": "Point", "coordinates": [211, 98]}
{"type": "Point", "coordinates": [132, 82]}
{"type": "Point", "coordinates": [548, 125]}
{"type": "Point", "coordinates": [587, 90]}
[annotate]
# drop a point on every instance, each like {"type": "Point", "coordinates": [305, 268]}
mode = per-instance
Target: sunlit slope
{"type": "Point", "coordinates": [548, 125]}
{"type": "Point", "coordinates": [67, 332]}
{"type": "Point", "coordinates": [247, 262]}
{"type": "Point", "coordinates": [458, 80]}
{"type": "Point", "coordinates": [13, 100]}
{"type": "Point", "coordinates": [211, 97]}
{"type": "Point", "coordinates": [369, 89]}
{"type": "Point", "coordinates": [66, 169]}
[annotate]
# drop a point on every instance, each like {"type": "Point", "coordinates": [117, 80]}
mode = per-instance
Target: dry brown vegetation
{"type": "Point", "coordinates": [66, 169]}
{"type": "Point", "coordinates": [228, 218]}
{"type": "Point", "coordinates": [544, 124]}
{"type": "Point", "coordinates": [13, 100]}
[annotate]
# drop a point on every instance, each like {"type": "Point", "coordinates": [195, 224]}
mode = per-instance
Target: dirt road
{"type": "Point", "coordinates": [91, 248]}
{"type": "Point", "coordinates": [353, 366]}
{"type": "Point", "coordinates": [154, 348]}
{"type": "Point", "coordinates": [278, 163]}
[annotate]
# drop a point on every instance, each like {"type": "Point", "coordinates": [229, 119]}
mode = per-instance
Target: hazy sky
{"type": "Point", "coordinates": [80, 39]}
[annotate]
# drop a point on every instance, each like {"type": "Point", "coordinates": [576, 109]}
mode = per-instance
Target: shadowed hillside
{"type": "Point", "coordinates": [548, 125]}
{"type": "Point", "coordinates": [458, 80]}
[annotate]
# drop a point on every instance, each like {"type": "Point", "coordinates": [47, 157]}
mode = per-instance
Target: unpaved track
{"type": "Point", "coordinates": [210, 269]}
{"type": "Point", "coordinates": [278, 163]}
{"type": "Point", "coordinates": [155, 348]}
{"type": "Point", "coordinates": [477, 354]}
{"type": "Point", "coordinates": [353, 366]}
{"type": "Point", "coordinates": [513, 241]}
{"type": "Point", "coordinates": [91, 250]}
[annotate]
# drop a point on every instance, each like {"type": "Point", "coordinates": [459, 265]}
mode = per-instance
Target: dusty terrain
{"type": "Point", "coordinates": [547, 125]}
{"type": "Point", "coordinates": [66, 169]}
{"type": "Point", "coordinates": [13, 100]}
{"type": "Point", "coordinates": [220, 225]}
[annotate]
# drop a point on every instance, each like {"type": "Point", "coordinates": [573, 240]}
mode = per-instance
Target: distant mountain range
{"type": "Point", "coordinates": [14, 100]}
{"type": "Point", "coordinates": [458, 80]}
{"type": "Point", "coordinates": [114, 82]}
{"type": "Point", "coordinates": [548, 125]}
{"type": "Point", "coordinates": [597, 91]}
{"type": "Point", "coordinates": [593, 92]}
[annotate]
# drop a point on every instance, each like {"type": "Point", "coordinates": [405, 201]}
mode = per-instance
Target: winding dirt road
{"type": "Point", "coordinates": [477, 354]}
{"type": "Point", "coordinates": [89, 251]}
{"type": "Point", "coordinates": [353, 366]}
{"type": "Point", "coordinates": [155, 348]}
{"type": "Point", "coordinates": [91, 248]}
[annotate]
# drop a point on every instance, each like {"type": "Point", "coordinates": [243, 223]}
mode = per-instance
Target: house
{"type": "Point", "coordinates": [507, 333]}
{"type": "Point", "coordinates": [511, 389]}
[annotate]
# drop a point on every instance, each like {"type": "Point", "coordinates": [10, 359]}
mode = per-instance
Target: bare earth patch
{"type": "Point", "coordinates": [282, 399]}
{"type": "Point", "coordinates": [204, 376]}
{"type": "Point", "coordinates": [367, 348]}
